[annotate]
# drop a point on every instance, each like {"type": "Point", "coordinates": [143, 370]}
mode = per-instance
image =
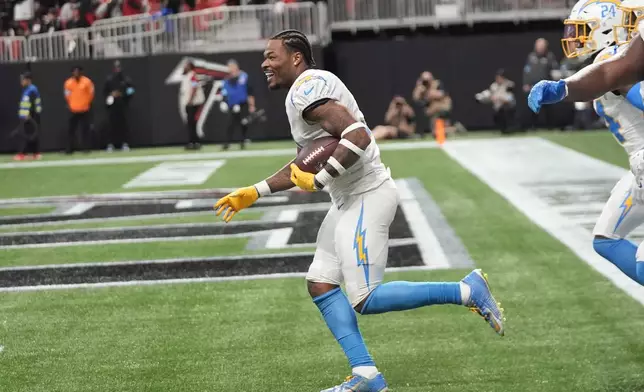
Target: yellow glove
{"type": "Point", "coordinates": [236, 201]}
{"type": "Point", "coordinates": [302, 179]}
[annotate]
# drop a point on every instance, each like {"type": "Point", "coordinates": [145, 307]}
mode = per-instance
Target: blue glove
{"type": "Point", "coordinates": [129, 91]}
{"type": "Point", "coordinates": [546, 92]}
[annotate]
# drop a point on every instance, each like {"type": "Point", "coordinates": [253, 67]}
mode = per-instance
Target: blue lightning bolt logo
{"type": "Point", "coordinates": [360, 245]}
{"type": "Point", "coordinates": [626, 206]}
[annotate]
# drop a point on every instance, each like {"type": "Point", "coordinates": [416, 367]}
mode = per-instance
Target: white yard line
{"type": "Point", "coordinates": [430, 248]}
{"type": "Point", "coordinates": [197, 156]}
{"type": "Point", "coordinates": [137, 240]}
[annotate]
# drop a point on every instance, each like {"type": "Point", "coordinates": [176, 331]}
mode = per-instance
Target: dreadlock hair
{"type": "Point", "coordinates": [296, 41]}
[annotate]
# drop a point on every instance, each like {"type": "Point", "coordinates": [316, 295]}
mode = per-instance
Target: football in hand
{"type": "Point", "coordinates": [312, 157]}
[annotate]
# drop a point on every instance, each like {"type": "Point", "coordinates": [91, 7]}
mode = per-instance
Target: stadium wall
{"type": "Point", "coordinates": [374, 69]}
{"type": "Point", "coordinates": [154, 111]}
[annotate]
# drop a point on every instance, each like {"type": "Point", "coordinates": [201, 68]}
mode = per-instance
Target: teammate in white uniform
{"type": "Point", "coordinates": [596, 27]}
{"type": "Point", "coordinates": [352, 243]}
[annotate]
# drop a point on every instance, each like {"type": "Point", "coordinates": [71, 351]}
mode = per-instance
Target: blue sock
{"type": "Point", "coordinates": [341, 320]}
{"type": "Point", "coordinates": [639, 268]}
{"type": "Point", "coordinates": [622, 253]}
{"type": "Point", "coordinates": [394, 296]}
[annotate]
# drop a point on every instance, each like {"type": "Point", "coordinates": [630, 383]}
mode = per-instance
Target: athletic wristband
{"type": "Point", "coordinates": [349, 144]}
{"type": "Point", "coordinates": [336, 165]}
{"type": "Point", "coordinates": [323, 178]}
{"type": "Point", "coordinates": [263, 189]}
{"type": "Point", "coordinates": [353, 127]}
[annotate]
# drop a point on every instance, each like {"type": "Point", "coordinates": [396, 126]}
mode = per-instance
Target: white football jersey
{"type": "Point", "coordinates": [624, 120]}
{"type": "Point", "coordinates": [314, 85]}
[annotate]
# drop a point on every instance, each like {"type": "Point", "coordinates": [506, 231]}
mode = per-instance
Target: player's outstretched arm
{"type": "Point", "coordinates": [280, 181]}
{"type": "Point", "coordinates": [625, 69]}
{"type": "Point", "coordinates": [618, 72]}
{"type": "Point", "coordinates": [242, 198]}
{"type": "Point", "coordinates": [354, 138]}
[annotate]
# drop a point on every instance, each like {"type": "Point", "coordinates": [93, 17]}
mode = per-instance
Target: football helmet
{"type": "Point", "coordinates": [632, 13]}
{"type": "Point", "coordinates": [590, 26]}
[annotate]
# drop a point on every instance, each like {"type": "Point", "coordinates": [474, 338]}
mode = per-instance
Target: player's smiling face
{"type": "Point", "coordinates": [278, 65]}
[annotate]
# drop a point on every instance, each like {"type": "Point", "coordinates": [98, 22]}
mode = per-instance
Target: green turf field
{"type": "Point", "coordinates": [568, 328]}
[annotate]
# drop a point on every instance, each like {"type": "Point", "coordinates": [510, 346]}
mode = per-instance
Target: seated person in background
{"type": "Point", "coordinates": [437, 102]}
{"type": "Point", "coordinates": [501, 96]}
{"type": "Point", "coordinates": [399, 121]}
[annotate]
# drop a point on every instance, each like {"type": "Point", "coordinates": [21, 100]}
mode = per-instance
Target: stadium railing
{"type": "Point", "coordinates": [353, 15]}
{"type": "Point", "coordinates": [13, 49]}
{"type": "Point", "coordinates": [71, 44]}
{"type": "Point", "coordinates": [221, 29]}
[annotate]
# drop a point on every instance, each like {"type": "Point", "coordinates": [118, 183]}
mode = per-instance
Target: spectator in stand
{"type": "Point", "coordinates": [76, 22]}
{"type": "Point", "coordinates": [6, 16]}
{"type": "Point", "coordinates": [171, 6]}
{"type": "Point", "coordinates": [79, 93]}
{"type": "Point", "coordinates": [48, 23]}
{"type": "Point", "coordinates": [67, 12]}
{"type": "Point", "coordinates": [23, 11]}
{"type": "Point", "coordinates": [116, 8]}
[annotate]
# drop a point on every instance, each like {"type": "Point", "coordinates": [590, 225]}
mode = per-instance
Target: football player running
{"type": "Point", "coordinates": [352, 243]}
{"type": "Point", "coordinates": [598, 28]}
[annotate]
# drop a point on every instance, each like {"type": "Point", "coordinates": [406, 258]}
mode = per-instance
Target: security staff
{"type": "Point", "coordinates": [29, 113]}
{"type": "Point", "coordinates": [118, 90]}
{"type": "Point", "coordinates": [239, 100]}
{"type": "Point", "coordinates": [79, 93]}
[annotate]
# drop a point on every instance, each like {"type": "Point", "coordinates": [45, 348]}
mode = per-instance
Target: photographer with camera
{"type": "Point", "coordinates": [400, 121]}
{"type": "Point", "coordinates": [433, 104]}
{"type": "Point", "coordinates": [500, 95]}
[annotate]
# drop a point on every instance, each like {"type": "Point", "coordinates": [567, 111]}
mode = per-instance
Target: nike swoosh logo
{"type": "Point", "coordinates": [307, 92]}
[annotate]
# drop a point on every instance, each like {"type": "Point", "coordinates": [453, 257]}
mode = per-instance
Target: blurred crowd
{"type": "Point", "coordinates": [26, 17]}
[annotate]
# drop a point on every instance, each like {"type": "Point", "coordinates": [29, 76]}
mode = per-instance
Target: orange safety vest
{"type": "Point", "coordinates": [79, 94]}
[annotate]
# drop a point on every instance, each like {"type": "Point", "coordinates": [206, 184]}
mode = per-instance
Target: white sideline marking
{"type": "Point", "coordinates": [279, 238]}
{"type": "Point", "coordinates": [429, 246]}
{"type": "Point", "coordinates": [509, 165]}
{"type": "Point", "coordinates": [288, 216]}
{"type": "Point", "coordinates": [176, 174]}
{"type": "Point", "coordinates": [184, 204]}
{"type": "Point", "coordinates": [309, 207]}
{"type": "Point", "coordinates": [213, 224]}
{"type": "Point", "coordinates": [136, 241]}
{"type": "Point", "coordinates": [207, 155]}
{"type": "Point", "coordinates": [78, 208]}
{"type": "Point", "coordinates": [190, 280]}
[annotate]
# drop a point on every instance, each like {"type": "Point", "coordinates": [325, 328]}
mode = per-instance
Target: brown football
{"type": "Point", "coordinates": [312, 157]}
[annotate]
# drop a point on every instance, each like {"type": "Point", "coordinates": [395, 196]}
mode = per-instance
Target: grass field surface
{"type": "Point", "coordinates": [568, 328]}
